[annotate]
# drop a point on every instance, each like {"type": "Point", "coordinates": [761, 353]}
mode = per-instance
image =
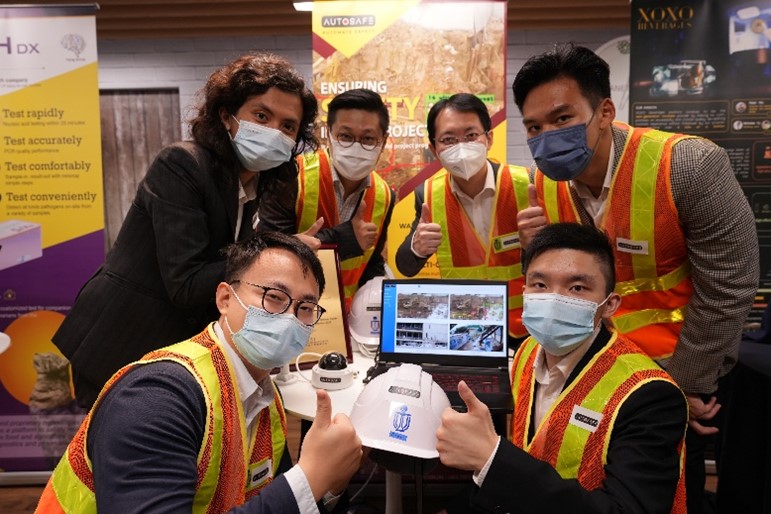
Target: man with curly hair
{"type": "Point", "coordinates": [155, 286]}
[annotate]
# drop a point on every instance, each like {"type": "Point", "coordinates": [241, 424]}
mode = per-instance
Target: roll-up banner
{"type": "Point", "coordinates": [51, 220]}
{"type": "Point", "coordinates": [413, 53]}
{"type": "Point", "coordinates": [704, 68]}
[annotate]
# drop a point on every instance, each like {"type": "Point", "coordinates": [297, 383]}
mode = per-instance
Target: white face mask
{"type": "Point", "coordinates": [354, 162]}
{"type": "Point", "coordinates": [463, 160]}
{"type": "Point", "coordinates": [559, 323]}
{"type": "Point", "coordinates": [261, 148]}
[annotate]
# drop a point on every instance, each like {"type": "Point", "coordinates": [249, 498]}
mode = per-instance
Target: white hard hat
{"type": "Point", "coordinates": [400, 411]}
{"type": "Point", "coordinates": [364, 318]}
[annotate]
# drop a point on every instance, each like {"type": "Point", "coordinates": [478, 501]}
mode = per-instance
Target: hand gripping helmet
{"type": "Point", "coordinates": [364, 318]}
{"type": "Point", "coordinates": [400, 411]}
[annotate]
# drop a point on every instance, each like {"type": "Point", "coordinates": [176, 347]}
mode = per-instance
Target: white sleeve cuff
{"type": "Point", "coordinates": [480, 477]}
{"type": "Point", "coordinates": [298, 482]}
{"type": "Point", "coordinates": [412, 248]}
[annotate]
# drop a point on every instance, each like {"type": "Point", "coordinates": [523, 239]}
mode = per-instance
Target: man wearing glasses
{"type": "Point", "coordinates": [338, 197]}
{"type": "Point", "coordinates": [198, 426]}
{"type": "Point", "coordinates": [466, 214]}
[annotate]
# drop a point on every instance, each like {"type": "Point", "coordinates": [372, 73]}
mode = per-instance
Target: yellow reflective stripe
{"type": "Point", "coordinates": [71, 493]}
{"type": "Point", "coordinates": [520, 181]}
{"type": "Point", "coordinates": [379, 210]}
{"type": "Point", "coordinates": [630, 322]}
{"type": "Point", "coordinates": [312, 178]}
{"type": "Point", "coordinates": [482, 272]}
{"type": "Point", "coordinates": [574, 440]}
{"type": "Point", "coordinates": [350, 264]}
{"type": "Point", "coordinates": [643, 200]}
{"type": "Point", "coordinates": [276, 434]}
{"type": "Point", "coordinates": [382, 197]}
{"type": "Point", "coordinates": [662, 283]}
{"type": "Point", "coordinates": [550, 198]}
{"type": "Point", "coordinates": [436, 188]}
{"type": "Point", "coordinates": [515, 302]}
{"type": "Point", "coordinates": [210, 385]}
{"type": "Point", "coordinates": [350, 290]}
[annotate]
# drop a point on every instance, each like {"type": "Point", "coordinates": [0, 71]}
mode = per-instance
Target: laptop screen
{"type": "Point", "coordinates": [457, 322]}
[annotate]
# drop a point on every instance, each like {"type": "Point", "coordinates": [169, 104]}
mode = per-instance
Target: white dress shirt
{"type": "Point", "coordinates": [479, 209]}
{"type": "Point", "coordinates": [595, 206]}
{"type": "Point", "coordinates": [346, 205]}
{"type": "Point", "coordinates": [246, 194]}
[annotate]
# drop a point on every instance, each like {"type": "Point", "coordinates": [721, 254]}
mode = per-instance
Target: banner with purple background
{"type": "Point", "coordinates": [51, 220]}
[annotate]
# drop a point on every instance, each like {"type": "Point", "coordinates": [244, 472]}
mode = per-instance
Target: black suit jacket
{"type": "Point", "coordinates": [157, 284]}
{"type": "Point", "coordinates": [642, 462]}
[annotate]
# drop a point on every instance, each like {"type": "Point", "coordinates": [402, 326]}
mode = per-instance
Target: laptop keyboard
{"type": "Point", "coordinates": [477, 383]}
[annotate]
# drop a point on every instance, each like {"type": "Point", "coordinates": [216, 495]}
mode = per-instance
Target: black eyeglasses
{"type": "Point", "coordinates": [278, 301]}
{"type": "Point", "coordinates": [454, 140]}
{"type": "Point", "coordinates": [369, 143]}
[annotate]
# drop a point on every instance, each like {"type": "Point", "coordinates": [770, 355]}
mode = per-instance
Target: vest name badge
{"type": "Point", "coordinates": [585, 418]}
{"type": "Point", "coordinates": [631, 246]}
{"type": "Point", "coordinates": [506, 242]}
{"type": "Point", "coordinates": [259, 473]}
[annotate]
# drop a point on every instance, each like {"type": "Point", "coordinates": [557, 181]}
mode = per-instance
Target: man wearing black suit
{"type": "Point", "coordinates": [598, 426]}
{"type": "Point", "coordinates": [155, 286]}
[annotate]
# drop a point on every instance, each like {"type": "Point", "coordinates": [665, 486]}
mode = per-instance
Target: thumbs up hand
{"type": "Point", "coordinates": [530, 219]}
{"type": "Point", "coordinates": [365, 231]}
{"type": "Point", "coordinates": [427, 236]}
{"type": "Point", "coordinates": [466, 440]}
{"type": "Point", "coordinates": [331, 451]}
{"type": "Point", "coordinates": [309, 236]}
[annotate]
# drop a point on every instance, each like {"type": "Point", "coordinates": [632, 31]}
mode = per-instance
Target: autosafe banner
{"type": "Point", "coordinates": [704, 68]}
{"type": "Point", "coordinates": [51, 219]}
{"type": "Point", "coordinates": [413, 53]}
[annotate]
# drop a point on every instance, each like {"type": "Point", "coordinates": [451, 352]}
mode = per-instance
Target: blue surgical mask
{"type": "Point", "coordinates": [559, 323]}
{"type": "Point", "coordinates": [261, 148]}
{"type": "Point", "coordinates": [268, 340]}
{"type": "Point", "coordinates": [562, 154]}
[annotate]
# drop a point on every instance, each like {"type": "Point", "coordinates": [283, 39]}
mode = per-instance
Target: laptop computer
{"type": "Point", "coordinates": [455, 329]}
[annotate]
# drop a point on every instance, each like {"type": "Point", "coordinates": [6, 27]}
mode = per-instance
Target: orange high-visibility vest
{"type": "Point", "coordinates": [564, 438]}
{"type": "Point", "coordinates": [651, 259]}
{"type": "Point", "coordinates": [461, 253]}
{"type": "Point", "coordinates": [228, 463]}
{"type": "Point", "coordinates": [316, 197]}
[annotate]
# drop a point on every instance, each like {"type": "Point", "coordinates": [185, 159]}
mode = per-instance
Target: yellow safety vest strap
{"type": "Point", "coordinates": [312, 190]}
{"type": "Point", "coordinates": [638, 319]}
{"type": "Point", "coordinates": [520, 180]}
{"type": "Point", "coordinates": [482, 272]}
{"type": "Point", "coordinates": [568, 460]}
{"type": "Point", "coordinates": [643, 199]}
{"type": "Point", "coordinates": [551, 199]}
{"type": "Point", "coordinates": [662, 283]}
{"type": "Point", "coordinates": [72, 499]}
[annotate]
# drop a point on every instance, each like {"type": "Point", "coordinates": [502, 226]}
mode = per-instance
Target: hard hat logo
{"type": "Point", "coordinates": [399, 411]}
{"type": "Point", "coordinates": [364, 316]}
{"type": "Point", "coordinates": [401, 423]}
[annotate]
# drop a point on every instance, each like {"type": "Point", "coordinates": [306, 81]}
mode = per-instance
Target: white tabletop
{"type": "Point", "coordinates": [300, 396]}
{"type": "Point", "coordinates": [300, 400]}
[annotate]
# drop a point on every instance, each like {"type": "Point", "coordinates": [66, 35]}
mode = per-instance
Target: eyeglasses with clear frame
{"type": "Point", "coordinates": [278, 301]}
{"type": "Point", "coordinates": [451, 140]}
{"type": "Point", "coordinates": [369, 143]}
